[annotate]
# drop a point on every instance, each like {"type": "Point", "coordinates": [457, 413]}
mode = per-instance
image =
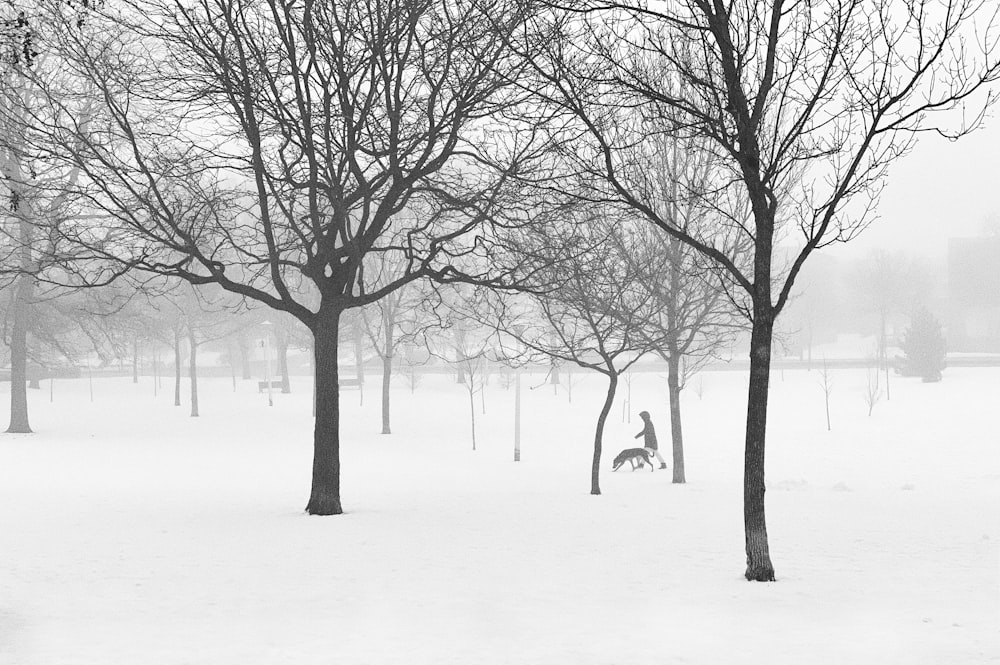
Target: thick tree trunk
{"type": "Point", "coordinates": [595, 467]}
{"type": "Point", "coordinates": [193, 372]}
{"type": "Point", "coordinates": [286, 385]}
{"type": "Point", "coordinates": [19, 356]}
{"type": "Point", "coordinates": [23, 292]}
{"type": "Point", "coordinates": [674, 391]}
{"type": "Point", "coordinates": [313, 349]}
{"type": "Point", "coordinates": [177, 366]}
{"type": "Point", "coordinates": [324, 498]}
{"type": "Point", "coordinates": [759, 567]}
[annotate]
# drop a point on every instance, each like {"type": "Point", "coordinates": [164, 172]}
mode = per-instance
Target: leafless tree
{"type": "Point", "coordinates": [207, 316]}
{"type": "Point", "coordinates": [270, 146]}
{"type": "Point", "coordinates": [695, 318]}
{"type": "Point", "coordinates": [391, 323]}
{"type": "Point", "coordinates": [593, 312]}
{"type": "Point", "coordinates": [458, 333]}
{"type": "Point", "coordinates": [873, 393]}
{"type": "Point", "coordinates": [31, 203]}
{"type": "Point", "coordinates": [826, 383]}
{"type": "Point", "coordinates": [804, 105]}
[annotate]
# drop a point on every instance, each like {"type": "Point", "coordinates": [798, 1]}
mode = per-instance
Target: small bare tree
{"type": "Point", "coordinates": [826, 383]}
{"type": "Point", "coordinates": [594, 310]}
{"type": "Point", "coordinates": [873, 393]}
{"type": "Point", "coordinates": [392, 323]}
{"type": "Point", "coordinates": [466, 346]}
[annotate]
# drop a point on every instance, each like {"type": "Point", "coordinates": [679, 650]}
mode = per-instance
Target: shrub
{"type": "Point", "coordinates": [924, 347]}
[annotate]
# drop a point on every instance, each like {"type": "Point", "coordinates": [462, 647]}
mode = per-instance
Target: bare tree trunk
{"type": "Point", "coordinates": [193, 372]}
{"type": "Point", "coordinates": [313, 349]}
{"type": "Point", "coordinates": [19, 354]}
{"type": "Point", "coordinates": [595, 467]}
{"type": "Point", "coordinates": [674, 391]}
{"type": "Point", "coordinates": [827, 385]}
{"type": "Point", "coordinates": [470, 386]}
{"type": "Point", "coordinates": [135, 359]}
{"type": "Point", "coordinates": [232, 362]}
{"type": "Point", "coordinates": [324, 498]}
{"type": "Point", "coordinates": [517, 415]}
{"type": "Point", "coordinates": [759, 567]}
{"type": "Point", "coordinates": [674, 356]}
{"type": "Point", "coordinates": [388, 324]}
{"type": "Point", "coordinates": [386, 378]}
{"type": "Point", "coordinates": [286, 386]}
{"type": "Point", "coordinates": [177, 366]}
{"type": "Point", "coordinates": [884, 351]}
{"type": "Point", "coordinates": [24, 291]}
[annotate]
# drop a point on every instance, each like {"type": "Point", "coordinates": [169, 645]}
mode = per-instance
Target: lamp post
{"type": "Point", "coordinates": [266, 325]}
{"type": "Point", "coordinates": [517, 415]}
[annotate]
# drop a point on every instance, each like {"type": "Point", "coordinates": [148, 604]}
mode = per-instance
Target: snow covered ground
{"type": "Point", "coordinates": [133, 534]}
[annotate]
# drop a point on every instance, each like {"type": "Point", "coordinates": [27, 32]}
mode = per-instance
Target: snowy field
{"type": "Point", "coordinates": [133, 534]}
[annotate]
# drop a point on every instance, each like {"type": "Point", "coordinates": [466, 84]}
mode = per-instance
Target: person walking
{"type": "Point", "coordinates": [649, 438]}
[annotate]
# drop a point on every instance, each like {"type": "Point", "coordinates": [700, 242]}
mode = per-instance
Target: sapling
{"type": "Point", "coordinates": [826, 383]}
{"type": "Point", "coordinates": [873, 393]}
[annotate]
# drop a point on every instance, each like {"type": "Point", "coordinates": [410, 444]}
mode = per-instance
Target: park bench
{"type": "Point", "coordinates": [344, 383]}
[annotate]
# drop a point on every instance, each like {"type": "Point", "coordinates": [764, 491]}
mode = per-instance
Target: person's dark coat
{"type": "Point", "coordinates": [648, 432]}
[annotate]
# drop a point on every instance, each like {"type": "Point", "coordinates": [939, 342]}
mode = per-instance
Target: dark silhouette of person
{"type": "Point", "coordinates": [649, 438]}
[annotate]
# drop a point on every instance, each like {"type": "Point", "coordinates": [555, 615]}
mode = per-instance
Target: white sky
{"type": "Point", "coordinates": [941, 190]}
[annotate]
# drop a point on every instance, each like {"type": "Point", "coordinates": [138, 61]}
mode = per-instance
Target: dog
{"type": "Point", "coordinates": [632, 455]}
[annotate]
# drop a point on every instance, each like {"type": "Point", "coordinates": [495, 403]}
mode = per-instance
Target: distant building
{"type": "Point", "coordinates": [974, 294]}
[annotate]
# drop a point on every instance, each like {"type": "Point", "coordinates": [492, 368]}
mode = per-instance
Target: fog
{"type": "Point", "coordinates": [942, 189]}
{"type": "Point", "coordinates": [329, 327]}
